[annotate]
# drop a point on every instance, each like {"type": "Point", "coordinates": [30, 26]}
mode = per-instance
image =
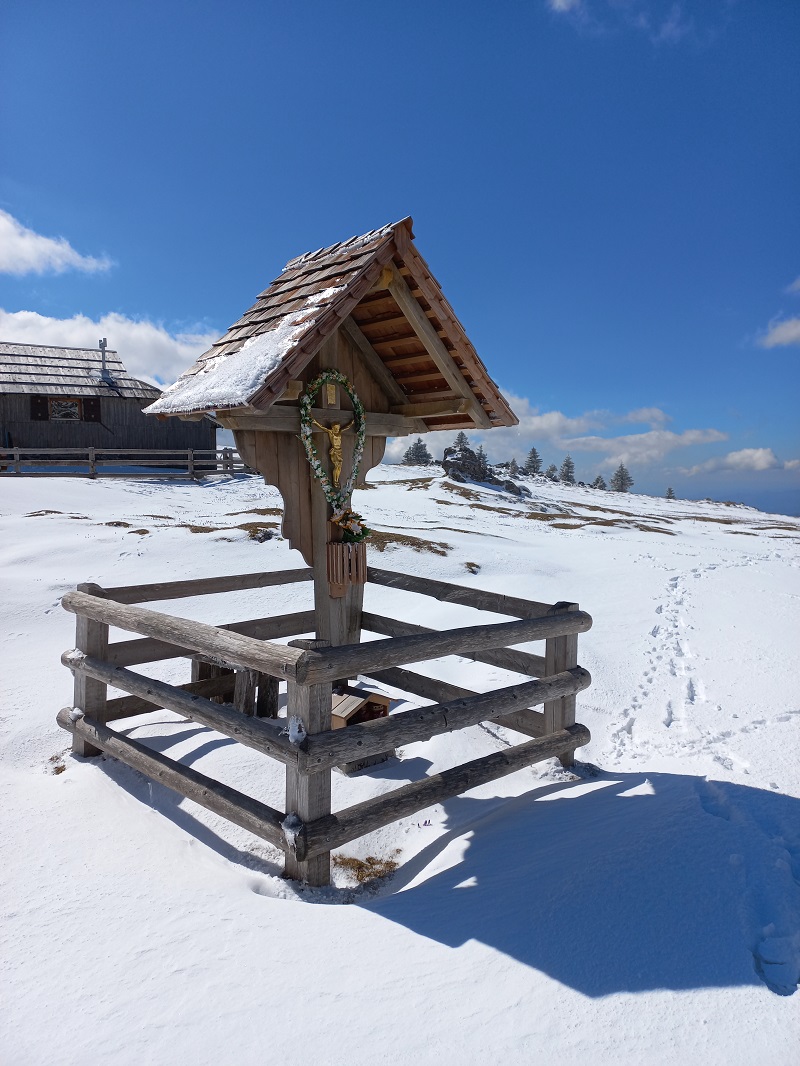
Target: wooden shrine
{"type": "Point", "coordinates": [350, 345]}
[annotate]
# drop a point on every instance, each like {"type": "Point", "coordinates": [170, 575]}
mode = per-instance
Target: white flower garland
{"type": "Point", "coordinates": [352, 524]}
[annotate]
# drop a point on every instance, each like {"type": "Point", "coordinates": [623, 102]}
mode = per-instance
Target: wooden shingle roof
{"type": "Point", "coordinates": [380, 288]}
{"type": "Point", "coordinates": [41, 369]}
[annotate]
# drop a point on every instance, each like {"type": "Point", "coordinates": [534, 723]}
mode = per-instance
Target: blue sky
{"type": "Point", "coordinates": [606, 189]}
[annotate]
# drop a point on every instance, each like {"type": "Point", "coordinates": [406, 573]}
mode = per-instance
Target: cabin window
{"type": "Point", "coordinates": [65, 410]}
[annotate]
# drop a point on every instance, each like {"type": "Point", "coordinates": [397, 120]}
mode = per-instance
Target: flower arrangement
{"type": "Point", "coordinates": [351, 523]}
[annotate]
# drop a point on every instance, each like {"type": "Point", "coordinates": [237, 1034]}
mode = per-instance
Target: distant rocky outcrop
{"type": "Point", "coordinates": [463, 464]}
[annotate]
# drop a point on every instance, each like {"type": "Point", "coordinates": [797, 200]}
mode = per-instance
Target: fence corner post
{"type": "Point", "coordinates": [561, 653]}
{"type": "Point", "coordinates": [89, 695]}
{"type": "Point", "coordinates": [309, 795]}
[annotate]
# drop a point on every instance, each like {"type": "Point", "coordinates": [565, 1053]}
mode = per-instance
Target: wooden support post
{"type": "Point", "coordinates": [561, 653]}
{"type": "Point", "coordinates": [244, 691]}
{"type": "Point", "coordinates": [191, 463]}
{"type": "Point", "coordinates": [17, 467]}
{"type": "Point", "coordinates": [308, 795]}
{"type": "Point", "coordinates": [267, 697]}
{"type": "Point", "coordinates": [92, 463]}
{"type": "Point", "coordinates": [90, 695]}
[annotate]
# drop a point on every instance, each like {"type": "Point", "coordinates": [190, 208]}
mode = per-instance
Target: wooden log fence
{"type": "Point", "coordinates": [107, 462]}
{"type": "Point", "coordinates": [234, 691]}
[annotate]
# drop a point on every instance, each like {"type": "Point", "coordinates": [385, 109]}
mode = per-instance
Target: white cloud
{"type": "Point", "coordinates": [782, 333]}
{"type": "Point", "coordinates": [22, 251]}
{"type": "Point", "coordinates": [654, 416]}
{"type": "Point", "coordinates": [792, 464]}
{"type": "Point", "coordinates": [663, 22]}
{"type": "Point", "coordinates": [147, 349]}
{"type": "Point", "coordinates": [794, 287]}
{"type": "Point", "coordinates": [643, 448]}
{"type": "Point", "coordinates": [746, 459]}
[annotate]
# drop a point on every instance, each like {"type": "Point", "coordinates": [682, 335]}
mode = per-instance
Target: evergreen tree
{"type": "Point", "coordinates": [621, 480]}
{"type": "Point", "coordinates": [533, 464]}
{"type": "Point", "coordinates": [567, 471]}
{"type": "Point", "coordinates": [670, 494]}
{"type": "Point", "coordinates": [513, 468]}
{"type": "Point", "coordinates": [551, 473]}
{"type": "Point", "coordinates": [461, 441]}
{"type": "Point", "coordinates": [417, 454]}
{"type": "Point", "coordinates": [483, 463]}
{"type": "Point", "coordinates": [599, 483]}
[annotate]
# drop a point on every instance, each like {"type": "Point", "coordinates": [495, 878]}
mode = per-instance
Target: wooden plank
{"type": "Point", "coordinates": [308, 797]}
{"type": "Point", "coordinates": [287, 420]}
{"type": "Point", "coordinates": [250, 814]}
{"type": "Point", "coordinates": [430, 688]}
{"type": "Point", "coordinates": [508, 658]}
{"type": "Point", "coordinates": [89, 694]}
{"type": "Point", "coordinates": [244, 692]}
{"type": "Point", "coordinates": [174, 590]}
{"type": "Point", "coordinates": [263, 736]}
{"type": "Point", "coordinates": [354, 659]}
{"type": "Point", "coordinates": [480, 599]}
{"type": "Point", "coordinates": [150, 650]}
{"type": "Point", "coordinates": [267, 697]}
{"type": "Point", "coordinates": [561, 653]}
{"type": "Point", "coordinates": [436, 349]}
{"type": "Point", "coordinates": [427, 410]}
{"type": "Point", "coordinates": [221, 645]}
{"type": "Point", "coordinates": [332, 831]}
{"type": "Point", "coordinates": [130, 706]}
{"type": "Point", "coordinates": [420, 724]}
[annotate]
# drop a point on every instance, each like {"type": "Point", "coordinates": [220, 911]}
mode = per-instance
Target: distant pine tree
{"type": "Point", "coordinates": [599, 483]}
{"type": "Point", "coordinates": [551, 473]}
{"type": "Point", "coordinates": [483, 463]}
{"type": "Point", "coordinates": [621, 480]}
{"type": "Point", "coordinates": [533, 464]}
{"type": "Point", "coordinates": [513, 468]}
{"type": "Point", "coordinates": [417, 454]}
{"type": "Point", "coordinates": [669, 494]}
{"type": "Point", "coordinates": [461, 441]}
{"type": "Point", "coordinates": [567, 472]}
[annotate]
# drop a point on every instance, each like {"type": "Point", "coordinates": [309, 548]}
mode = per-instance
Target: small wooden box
{"type": "Point", "coordinates": [352, 707]}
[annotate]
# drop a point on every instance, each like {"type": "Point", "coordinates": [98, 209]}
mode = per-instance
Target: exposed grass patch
{"type": "Point", "coordinates": [365, 870]}
{"type": "Point", "coordinates": [256, 510]}
{"type": "Point", "coordinates": [381, 540]}
{"type": "Point", "coordinates": [473, 568]}
{"type": "Point", "coordinates": [140, 532]}
{"type": "Point", "coordinates": [544, 516]}
{"type": "Point", "coordinates": [37, 514]}
{"type": "Point", "coordinates": [121, 525]}
{"type": "Point", "coordinates": [57, 763]}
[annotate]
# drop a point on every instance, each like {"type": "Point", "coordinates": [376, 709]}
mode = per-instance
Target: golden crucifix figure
{"type": "Point", "coordinates": [335, 437]}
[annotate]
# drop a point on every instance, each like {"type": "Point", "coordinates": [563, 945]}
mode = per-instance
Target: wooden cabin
{"type": "Point", "coordinates": [83, 398]}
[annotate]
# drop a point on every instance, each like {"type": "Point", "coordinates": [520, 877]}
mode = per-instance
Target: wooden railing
{"type": "Point", "coordinates": [236, 669]}
{"type": "Point", "coordinates": [108, 462]}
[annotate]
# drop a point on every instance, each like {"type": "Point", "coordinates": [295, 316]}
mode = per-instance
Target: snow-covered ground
{"type": "Point", "coordinates": [534, 919]}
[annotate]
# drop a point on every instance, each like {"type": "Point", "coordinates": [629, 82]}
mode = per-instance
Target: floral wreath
{"type": "Point", "coordinates": [351, 523]}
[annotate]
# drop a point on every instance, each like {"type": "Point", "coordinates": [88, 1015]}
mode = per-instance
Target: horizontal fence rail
{"type": "Point", "coordinates": [221, 646]}
{"type": "Point", "coordinates": [106, 462]}
{"type": "Point", "coordinates": [234, 691]}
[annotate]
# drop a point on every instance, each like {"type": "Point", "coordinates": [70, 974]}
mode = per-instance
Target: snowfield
{"type": "Point", "coordinates": [642, 910]}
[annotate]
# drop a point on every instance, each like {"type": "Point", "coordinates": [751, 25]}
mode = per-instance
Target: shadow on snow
{"type": "Point", "coordinates": [623, 883]}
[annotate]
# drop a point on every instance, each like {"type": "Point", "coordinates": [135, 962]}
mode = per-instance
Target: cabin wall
{"type": "Point", "coordinates": [122, 425]}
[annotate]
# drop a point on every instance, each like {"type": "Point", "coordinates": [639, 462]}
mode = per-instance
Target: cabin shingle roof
{"type": "Point", "coordinates": [40, 369]}
{"type": "Point", "coordinates": [275, 339]}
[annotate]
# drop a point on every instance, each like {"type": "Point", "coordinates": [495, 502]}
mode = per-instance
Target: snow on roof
{"type": "Point", "coordinates": [42, 369]}
{"type": "Point", "coordinates": [230, 380]}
